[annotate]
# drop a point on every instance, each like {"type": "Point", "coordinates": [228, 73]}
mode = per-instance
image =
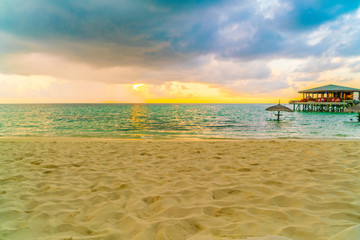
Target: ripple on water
{"type": "Point", "coordinates": [170, 121]}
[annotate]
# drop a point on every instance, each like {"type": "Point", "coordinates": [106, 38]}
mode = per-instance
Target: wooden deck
{"type": "Point", "coordinates": [321, 106]}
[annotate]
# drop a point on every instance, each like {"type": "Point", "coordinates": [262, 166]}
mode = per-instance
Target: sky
{"type": "Point", "coordinates": [179, 51]}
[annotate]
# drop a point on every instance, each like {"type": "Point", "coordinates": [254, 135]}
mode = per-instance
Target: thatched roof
{"type": "Point", "coordinates": [330, 88]}
{"type": "Point", "coordinates": [279, 108]}
{"type": "Point", "coordinates": [355, 109]}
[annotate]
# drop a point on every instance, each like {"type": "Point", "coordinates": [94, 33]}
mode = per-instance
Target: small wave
{"type": "Point", "coordinates": [351, 233]}
{"type": "Point", "coordinates": [243, 237]}
{"type": "Point", "coordinates": [220, 126]}
{"type": "Point", "coordinates": [341, 135]}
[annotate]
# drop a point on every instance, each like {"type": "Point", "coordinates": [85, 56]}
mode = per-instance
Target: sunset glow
{"type": "Point", "coordinates": [184, 51]}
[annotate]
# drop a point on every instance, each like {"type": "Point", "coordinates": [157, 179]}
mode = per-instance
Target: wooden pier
{"type": "Point", "coordinates": [320, 106]}
{"type": "Point", "coordinates": [329, 98]}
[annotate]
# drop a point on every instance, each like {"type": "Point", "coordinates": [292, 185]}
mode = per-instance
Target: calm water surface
{"type": "Point", "coordinates": [199, 121]}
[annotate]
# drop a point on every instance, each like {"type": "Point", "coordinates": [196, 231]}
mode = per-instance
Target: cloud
{"type": "Point", "coordinates": [306, 77]}
{"type": "Point", "coordinates": [160, 32]}
{"type": "Point", "coordinates": [205, 69]}
{"type": "Point", "coordinates": [354, 67]}
{"type": "Point", "coordinates": [259, 87]}
{"type": "Point", "coordinates": [318, 65]}
{"type": "Point", "coordinates": [228, 44]}
{"type": "Point", "coordinates": [19, 86]}
{"type": "Point", "coordinates": [308, 14]}
{"type": "Point", "coordinates": [39, 88]}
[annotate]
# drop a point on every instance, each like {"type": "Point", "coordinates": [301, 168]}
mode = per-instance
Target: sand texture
{"type": "Point", "coordinates": [198, 190]}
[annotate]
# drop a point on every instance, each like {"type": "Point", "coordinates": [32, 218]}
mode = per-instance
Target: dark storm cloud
{"type": "Point", "coordinates": [309, 13]}
{"type": "Point", "coordinates": [159, 32]}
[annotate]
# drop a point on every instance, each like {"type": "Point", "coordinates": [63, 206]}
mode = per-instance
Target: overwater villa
{"type": "Point", "coordinates": [329, 98]}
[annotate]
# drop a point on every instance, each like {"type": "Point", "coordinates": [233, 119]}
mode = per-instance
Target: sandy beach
{"type": "Point", "coordinates": [70, 188]}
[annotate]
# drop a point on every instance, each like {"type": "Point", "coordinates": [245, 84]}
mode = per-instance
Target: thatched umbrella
{"type": "Point", "coordinates": [279, 108]}
{"type": "Point", "coordinates": [354, 109]}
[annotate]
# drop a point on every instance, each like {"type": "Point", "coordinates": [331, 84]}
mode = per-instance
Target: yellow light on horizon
{"type": "Point", "coordinates": [137, 86]}
{"type": "Point", "coordinates": [210, 100]}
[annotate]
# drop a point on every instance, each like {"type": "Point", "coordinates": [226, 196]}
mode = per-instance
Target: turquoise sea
{"type": "Point", "coordinates": [171, 121]}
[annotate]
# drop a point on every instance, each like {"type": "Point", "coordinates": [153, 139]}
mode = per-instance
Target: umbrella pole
{"type": "Point", "coordinates": [279, 116]}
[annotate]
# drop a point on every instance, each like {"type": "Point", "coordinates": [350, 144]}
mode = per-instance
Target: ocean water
{"type": "Point", "coordinates": [171, 121]}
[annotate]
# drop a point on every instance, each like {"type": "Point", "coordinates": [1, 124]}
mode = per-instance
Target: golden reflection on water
{"type": "Point", "coordinates": [170, 121]}
{"type": "Point", "coordinates": [139, 116]}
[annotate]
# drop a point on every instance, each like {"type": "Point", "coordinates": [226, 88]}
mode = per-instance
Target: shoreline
{"type": "Point", "coordinates": [144, 189]}
{"type": "Point", "coordinates": [67, 138]}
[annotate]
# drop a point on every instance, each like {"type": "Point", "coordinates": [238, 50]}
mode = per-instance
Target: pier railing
{"type": "Point", "coordinates": [323, 104]}
{"type": "Point", "coordinates": [321, 100]}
